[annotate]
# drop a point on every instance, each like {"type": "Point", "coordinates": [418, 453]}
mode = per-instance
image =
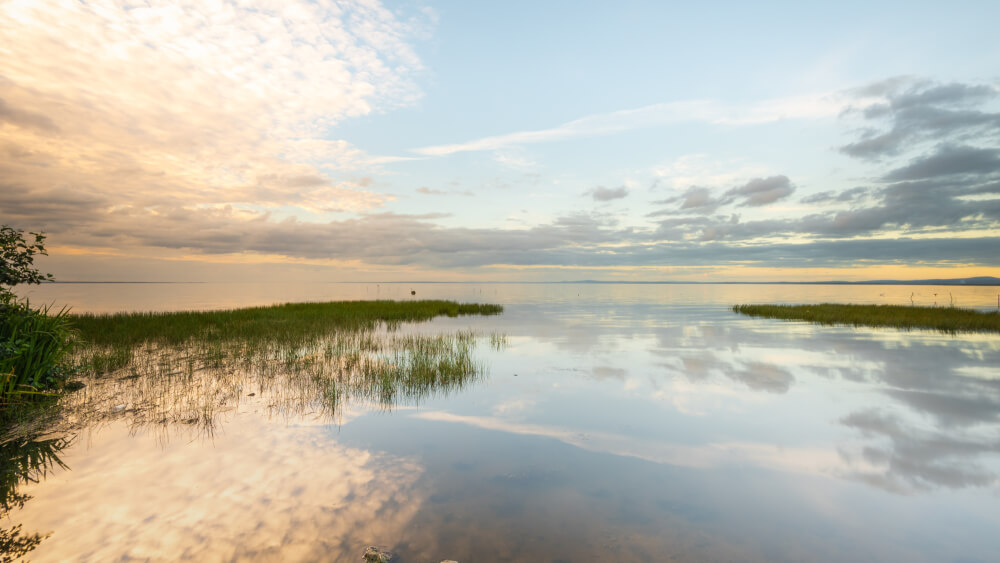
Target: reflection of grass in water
{"type": "Point", "coordinates": [23, 461]}
{"type": "Point", "coordinates": [946, 319]}
{"type": "Point", "coordinates": [303, 358]}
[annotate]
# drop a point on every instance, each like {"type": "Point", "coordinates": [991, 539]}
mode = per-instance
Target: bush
{"type": "Point", "coordinates": [17, 257]}
{"type": "Point", "coordinates": [33, 343]}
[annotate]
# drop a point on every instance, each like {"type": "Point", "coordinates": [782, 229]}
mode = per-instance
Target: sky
{"type": "Point", "coordinates": [502, 141]}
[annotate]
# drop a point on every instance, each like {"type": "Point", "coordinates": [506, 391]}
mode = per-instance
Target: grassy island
{"type": "Point", "coordinates": [946, 319]}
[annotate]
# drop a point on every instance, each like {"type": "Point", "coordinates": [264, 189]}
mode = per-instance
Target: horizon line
{"type": "Point", "coordinates": [970, 281]}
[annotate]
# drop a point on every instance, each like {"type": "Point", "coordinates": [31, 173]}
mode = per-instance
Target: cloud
{"type": "Point", "coordinates": [160, 105]}
{"type": "Point", "coordinates": [430, 191]}
{"type": "Point", "coordinates": [601, 193]}
{"type": "Point", "coordinates": [916, 111]}
{"type": "Point", "coordinates": [755, 193]}
{"type": "Point", "coordinates": [948, 187]}
{"type": "Point", "coordinates": [762, 191]}
{"type": "Point", "coordinates": [831, 196]}
{"type": "Point", "coordinates": [24, 118]}
{"type": "Point", "coordinates": [695, 199]}
{"type": "Point", "coordinates": [656, 115]}
{"type": "Point", "coordinates": [948, 160]}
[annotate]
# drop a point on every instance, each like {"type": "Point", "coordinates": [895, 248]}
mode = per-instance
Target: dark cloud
{"type": "Point", "coordinates": [601, 193]}
{"type": "Point", "coordinates": [762, 191]}
{"type": "Point", "coordinates": [830, 196]}
{"type": "Point", "coordinates": [54, 210]}
{"type": "Point", "coordinates": [948, 160]}
{"type": "Point", "coordinates": [755, 193]}
{"type": "Point", "coordinates": [918, 111]}
{"type": "Point", "coordinates": [694, 200]}
{"type": "Point", "coordinates": [25, 118]}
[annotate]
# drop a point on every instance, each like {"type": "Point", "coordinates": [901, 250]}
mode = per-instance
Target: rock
{"type": "Point", "coordinates": [373, 555]}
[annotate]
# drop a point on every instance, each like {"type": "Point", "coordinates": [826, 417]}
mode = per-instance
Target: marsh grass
{"type": "Point", "coordinates": [289, 322]}
{"type": "Point", "coordinates": [166, 369]}
{"type": "Point", "coordinates": [945, 319]}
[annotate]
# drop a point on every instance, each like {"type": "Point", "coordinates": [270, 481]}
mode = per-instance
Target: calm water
{"type": "Point", "coordinates": [619, 423]}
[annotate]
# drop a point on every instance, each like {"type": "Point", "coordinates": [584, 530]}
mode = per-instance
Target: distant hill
{"type": "Point", "coordinates": [980, 280]}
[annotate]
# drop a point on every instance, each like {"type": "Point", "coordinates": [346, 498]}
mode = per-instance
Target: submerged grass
{"type": "Point", "coordinates": [946, 319]}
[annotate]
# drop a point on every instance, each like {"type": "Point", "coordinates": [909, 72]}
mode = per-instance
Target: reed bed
{"type": "Point", "coordinates": [315, 358]}
{"type": "Point", "coordinates": [288, 322]}
{"type": "Point", "coordinates": [113, 340]}
{"type": "Point", "coordinates": [945, 319]}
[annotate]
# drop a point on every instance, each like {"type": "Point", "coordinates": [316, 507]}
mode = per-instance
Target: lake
{"type": "Point", "coordinates": [614, 423]}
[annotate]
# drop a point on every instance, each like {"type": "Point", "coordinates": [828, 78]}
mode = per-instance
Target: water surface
{"type": "Point", "coordinates": [618, 423]}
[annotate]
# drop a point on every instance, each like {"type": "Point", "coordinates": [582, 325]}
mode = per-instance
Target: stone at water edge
{"type": "Point", "coordinates": [373, 555]}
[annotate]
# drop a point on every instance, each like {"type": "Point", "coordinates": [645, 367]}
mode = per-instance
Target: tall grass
{"type": "Point", "coordinates": [946, 319]}
{"type": "Point", "coordinates": [34, 345]}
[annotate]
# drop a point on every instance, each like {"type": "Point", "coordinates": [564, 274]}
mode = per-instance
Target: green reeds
{"type": "Point", "coordinates": [288, 322]}
{"type": "Point", "coordinates": [34, 344]}
{"type": "Point", "coordinates": [945, 319]}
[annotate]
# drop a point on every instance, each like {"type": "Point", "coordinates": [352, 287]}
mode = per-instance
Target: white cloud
{"type": "Point", "coordinates": [198, 102]}
{"type": "Point", "coordinates": [699, 170]}
{"type": "Point", "coordinates": [656, 115]}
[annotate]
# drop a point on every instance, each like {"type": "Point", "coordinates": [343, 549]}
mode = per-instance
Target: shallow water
{"type": "Point", "coordinates": [619, 423]}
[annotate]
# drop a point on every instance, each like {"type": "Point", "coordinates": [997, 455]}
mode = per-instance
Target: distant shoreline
{"type": "Point", "coordinates": [979, 281]}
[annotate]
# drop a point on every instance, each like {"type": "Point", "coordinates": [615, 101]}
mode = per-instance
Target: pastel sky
{"type": "Point", "coordinates": [367, 141]}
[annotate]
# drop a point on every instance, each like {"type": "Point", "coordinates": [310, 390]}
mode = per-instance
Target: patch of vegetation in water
{"type": "Point", "coordinates": [113, 339]}
{"type": "Point", "coordinates": [170, 368]}
{"type": "Point", "coordinates": [945, 319]}
{"type": "Point", "coordinates": [290, 321]}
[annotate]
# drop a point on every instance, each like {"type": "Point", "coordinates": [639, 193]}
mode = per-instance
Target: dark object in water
{"type": "Point", "coordinates": [413, 292]}
{"type": "Point", "coordinates": [74, 386]}
{"type": "Point", "coordinates": [373, 555]}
